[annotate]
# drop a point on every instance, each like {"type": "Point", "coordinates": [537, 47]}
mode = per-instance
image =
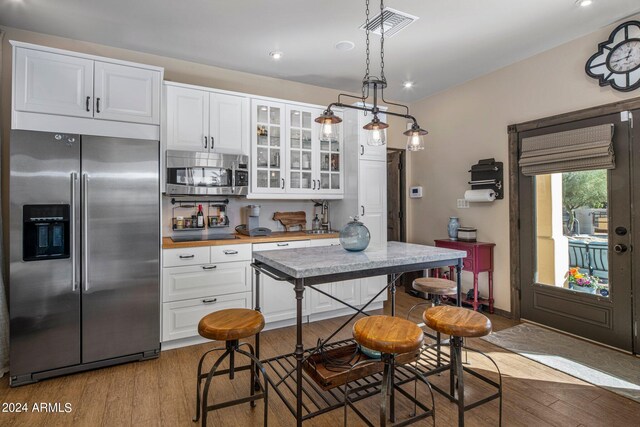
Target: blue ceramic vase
{"type": "Point", "coordinates": [452, 228]}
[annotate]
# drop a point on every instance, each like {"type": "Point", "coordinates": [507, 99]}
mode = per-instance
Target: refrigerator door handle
{"type": "Point", "coordinates": [85, 230]}
{"type": "Point", "coordinates": [74, 252]}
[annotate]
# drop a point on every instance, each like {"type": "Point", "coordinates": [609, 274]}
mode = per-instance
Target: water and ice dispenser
{"type": "Point", "coordinates": [45, 232]}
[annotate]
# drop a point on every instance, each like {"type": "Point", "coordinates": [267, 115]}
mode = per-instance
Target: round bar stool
{"type": "Point", "coordinates": [390, 336]}
{"type": "Point", "coordinates": [231, 325]}
{"type": "Point", "coordinates": [459, 323]}
{"type": "Point", "coordinates": [436, 288]}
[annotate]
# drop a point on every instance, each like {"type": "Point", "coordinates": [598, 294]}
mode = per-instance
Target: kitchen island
{"type": "Point", "coordinates": [308, 267]}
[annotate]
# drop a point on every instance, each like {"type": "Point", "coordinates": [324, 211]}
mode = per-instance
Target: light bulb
{"type": "Point", "coordinates": [326, 130]}
{"type": "Point", "coordinates": [415, 142]}
{"type": "Point", "coordinates": [376, 136]}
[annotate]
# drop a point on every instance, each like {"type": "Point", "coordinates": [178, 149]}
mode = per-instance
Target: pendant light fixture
{"type": "Point", "coordinates": [372, 89]}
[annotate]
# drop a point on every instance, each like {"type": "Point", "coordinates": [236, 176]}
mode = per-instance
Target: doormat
{"type": "Point", "coordinates": [601, 366]}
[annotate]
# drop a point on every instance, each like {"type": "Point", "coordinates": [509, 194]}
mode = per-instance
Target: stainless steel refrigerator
{"type": "Point", "coordinates": [84, 253]}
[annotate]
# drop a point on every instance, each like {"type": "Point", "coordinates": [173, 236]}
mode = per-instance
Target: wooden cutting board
{"type": "Point", "coordinates": [291, 219]}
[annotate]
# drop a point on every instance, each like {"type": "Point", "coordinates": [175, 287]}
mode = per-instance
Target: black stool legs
{"type": "Point", "coordinates": [231, 348]}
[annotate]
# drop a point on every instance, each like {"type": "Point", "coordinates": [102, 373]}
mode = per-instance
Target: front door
{"type": "Point", "coordinates": [575, 231]}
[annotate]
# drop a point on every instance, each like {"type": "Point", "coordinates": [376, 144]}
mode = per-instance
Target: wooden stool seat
{"type": "Point", "coordinates": [435, 286]}
{"type": "Point", "coordinates": [231, 324]}
{"type": "Point", "coordinates": [387, 334]}
{"type": "Point", "coordinates": [457, 321]}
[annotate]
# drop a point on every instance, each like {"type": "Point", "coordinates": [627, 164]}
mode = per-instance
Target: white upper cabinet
{"type": "Point", "coordinates": [267, 148]}
{"type": "Point", "coordinates": [201, 120]}
{"type": "Point", "coordinates": [126, 94]}
{"type": "Point", "coordinates": [228, 123]}
{"type": "Point", "coordinates": [62, 91]}
{"type": "Point", "coordinates": [187, 119]}
{"type": "Point", "coordinates": [302, 153]}
{"type": "Point", "coordinates": [53, 84]}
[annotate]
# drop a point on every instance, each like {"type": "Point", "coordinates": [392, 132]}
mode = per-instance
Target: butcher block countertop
{"type": "Point", "coordinates": [277, 236]}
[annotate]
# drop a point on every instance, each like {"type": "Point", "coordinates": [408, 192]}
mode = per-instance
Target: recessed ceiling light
{"type": "Point", "coordinates": [584, 3]}
{"type": "Point", "coordinates": [276, 54]}
{"type": "Point", "coordinates": [407, 84]}
{"type": "Point", "coordinates": [345, 45]}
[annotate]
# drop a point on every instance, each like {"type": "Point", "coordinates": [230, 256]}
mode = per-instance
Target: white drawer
{"type": "Point", "coordinates": [187, 256]}
{"type": "Point", "coordinates": [180, 319]}
{"type": "Point", "coordinates": [227, 253]}
{"type": "Point", "coordinates": [325, 242]}
{"type": "Point", "coordinates": [181, 283]}
{"type": "Point", "coordinates": [280, 245]}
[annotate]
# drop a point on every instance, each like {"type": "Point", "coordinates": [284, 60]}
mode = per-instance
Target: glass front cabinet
{"type": "Point", "coordinates": [289, 157]}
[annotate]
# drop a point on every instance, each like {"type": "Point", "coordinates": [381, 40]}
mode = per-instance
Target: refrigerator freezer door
{"type": "Point", "coordinates": [121, 237]}
{"type": "Point", "coordinates": [44, 298]}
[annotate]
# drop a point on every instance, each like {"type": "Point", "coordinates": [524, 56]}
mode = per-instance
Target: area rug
{"type": "Point", "coordinates": [597, 365]}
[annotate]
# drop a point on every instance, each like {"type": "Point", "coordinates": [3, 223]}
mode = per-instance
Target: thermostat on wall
{"type": "Point", "coordinates": [415, 192]}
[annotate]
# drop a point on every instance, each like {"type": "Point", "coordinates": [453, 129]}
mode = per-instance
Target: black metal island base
{"type": "Point", "coordinates": [309, 267]}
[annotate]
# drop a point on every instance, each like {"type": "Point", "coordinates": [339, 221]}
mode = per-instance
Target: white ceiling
{"type": "Point", "coordinates": [452, 42]}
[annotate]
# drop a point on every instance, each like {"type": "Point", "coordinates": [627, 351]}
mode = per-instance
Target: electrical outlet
{"type": "Point", "coordinates": [463, 204]}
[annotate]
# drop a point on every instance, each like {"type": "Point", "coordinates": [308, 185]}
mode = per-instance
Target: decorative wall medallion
{"type": "Point", "coordinates": [617, 62]}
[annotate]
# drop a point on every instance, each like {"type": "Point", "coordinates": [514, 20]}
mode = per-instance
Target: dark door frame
{"type": "Point", "coordinates": [514, 197]}
{"type": "Point", "coordinates": [403, 191]}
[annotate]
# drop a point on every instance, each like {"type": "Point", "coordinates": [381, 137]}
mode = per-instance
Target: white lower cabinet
{"type": "Point", "coordinates": [180, 318]}
{"type": "Point", "coordinates": [371, 286]}
{"type": "Point", "coordinates": [199, 281]}
{"type": "Point", "coordinates": [278, 299]}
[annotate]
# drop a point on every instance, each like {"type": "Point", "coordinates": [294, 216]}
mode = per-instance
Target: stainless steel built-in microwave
{"type": "Point", "coordinates": [196, 173]}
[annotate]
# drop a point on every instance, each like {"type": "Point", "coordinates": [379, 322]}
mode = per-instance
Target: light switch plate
{"type": "Point", "coordinates": [463, 204]}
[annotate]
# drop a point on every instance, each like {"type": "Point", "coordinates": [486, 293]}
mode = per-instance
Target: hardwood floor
{"type": "Point", "coordinates": [162, 392]}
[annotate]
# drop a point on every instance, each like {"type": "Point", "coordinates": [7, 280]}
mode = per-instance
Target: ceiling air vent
{"type": "Point", "coordinates": [394, 21]}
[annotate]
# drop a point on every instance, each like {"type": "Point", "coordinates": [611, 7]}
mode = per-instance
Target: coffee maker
{"type": "Point", "coordinates": [252, 226]}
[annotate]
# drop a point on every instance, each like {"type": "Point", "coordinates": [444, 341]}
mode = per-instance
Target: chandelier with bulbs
{"type": "Point", "coordinates": [370, 87]}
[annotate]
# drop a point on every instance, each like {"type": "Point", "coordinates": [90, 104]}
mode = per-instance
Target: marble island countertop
{"type": "Point", "coordinates": [320, 261]}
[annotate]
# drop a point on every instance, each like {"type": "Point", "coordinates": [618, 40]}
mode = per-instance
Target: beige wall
{"type": "Point", "coordinates": [469, 122]}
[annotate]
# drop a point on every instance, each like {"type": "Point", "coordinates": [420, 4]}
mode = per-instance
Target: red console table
{"type": "Point", "coordinates": [479, 259]}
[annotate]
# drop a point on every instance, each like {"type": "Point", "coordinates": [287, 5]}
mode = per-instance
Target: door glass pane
{"type": "Point", "coordinates": [324, 162]}
{"type": "Point", "coordinates": [335, 162]}
{"type": "Point", "coordinates": [306, 120]}
{"type": "Point", "coordinates": [274, 158]}
{"type": "Point", "coordinates": [263, 179]}
{"type": "Point", "coordinates": [274, 116]}
{"type": "Point", "coordinates": [572, 227]}
{"type": "Point", "coordinates": [262, 157]}
{"type": "Point", "coordinates": [275, 136]}
{"type": "Point", "coordinates": [335, 181]}
{"type": "Point", "coordinates": [274, 181]}
{"type": "Point", "coordinates": [324, 181]}
{"type": "Point", "coordinates": [262, 135]}
{"type": "Point", "coordinates": [262, 114]}
{"type": "Point", "coordinates": [306, 139]}
{"type": "Point", "coordinates": [295, 160]}
{"type": "Point", "coordinates": [295, 138]}
{"type": "Point", "coordinates": [306, 180]}
{"type": "Point", "coordinates": [295, 179]}
{"type": "Point", "coordinates": [306, 160]}
{"type": "Point", "coordinates": [295, 118]}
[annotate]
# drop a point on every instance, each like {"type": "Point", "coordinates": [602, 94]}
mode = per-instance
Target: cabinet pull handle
{"type": "Point", "coordinates": [283, 244]}
{"type": "Point", "coordinates": [205, 142]}
{"type": "Point", "coordinates": [282, 183]}
{"type": "Point", "coordinates": [314, 184]}
{"type": "Point", "coordinates": [230, 252]}
{"type": "Point", "coordinates": [187, 256]}
{"type": "Point", "coordinates": [210, 267]}
{"type": "Point", "coordinates": [74, 252]}
{"type": "Point", "coordinates": [87, 103]}
{"type": "Point", "coordinates": [210, 301]}
{"type": "Point", "coordinates": [97, 105]}
{"type": "Point", "coordinates": [213, 141]}
{"type": "Point", "coordinates": [362, 206]}
{"type": "Point", "coordinates": [362, 150]}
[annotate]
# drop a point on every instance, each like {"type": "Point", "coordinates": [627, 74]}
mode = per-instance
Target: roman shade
{"type": "Point", "coordinates": [574, 150]}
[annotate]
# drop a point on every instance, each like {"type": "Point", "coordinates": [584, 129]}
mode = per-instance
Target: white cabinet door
{"type": "Point", "coordinates": [180, 318]}
{"type": "Point", "coordinates": [229, 124]}
{"type": "Point", "coordinates": [278, 299]}
{"type": "Point", "coordinates": [370, 287]}
{"type": "Point", "coordinates": [53, 83]}
{"type": "Point", "coordinates": [372, 196]}
{"type": "Point", "coordinates": [126, 94]}
{"type": "Point", "coordinates": [187, 119]}
{"type": "Point", "coordinates": [301, 142]}
{"type": "Point", "coordinates": [267, 148]}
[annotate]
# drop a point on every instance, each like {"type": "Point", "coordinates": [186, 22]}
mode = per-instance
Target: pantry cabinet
{"type": "Point", "coordinates": [199, 119]}
{"type": "Point", "coordinates": [63, 83]}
